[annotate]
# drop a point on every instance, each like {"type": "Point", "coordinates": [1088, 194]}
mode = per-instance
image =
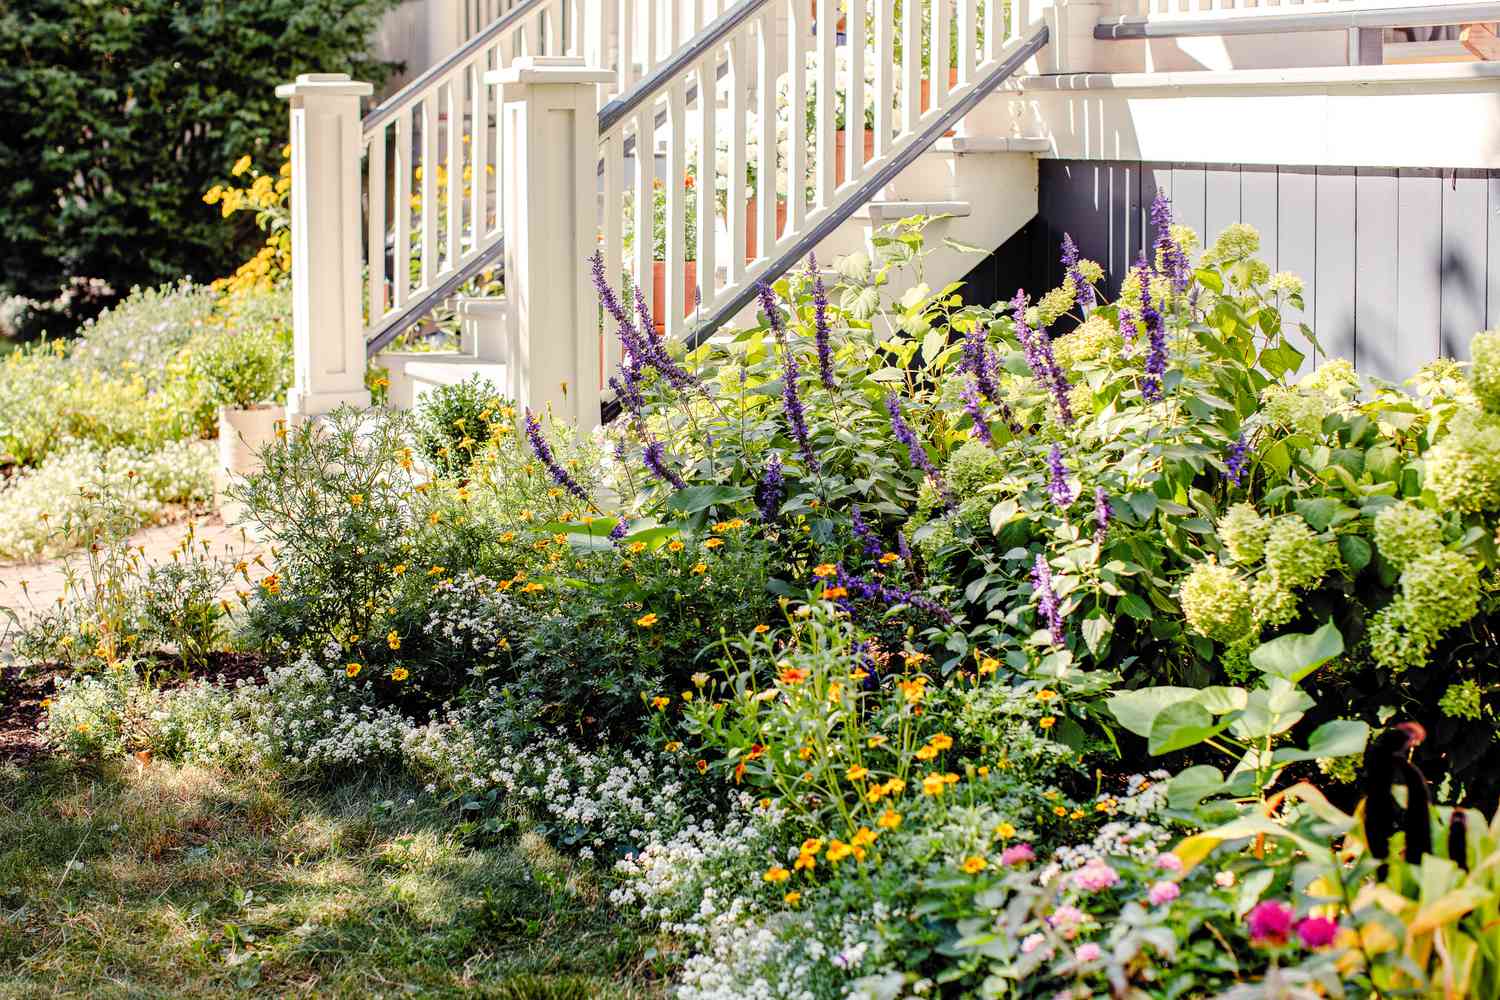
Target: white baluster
{"type": "Point", "coordinates": [737, 79]}
{"type": "Point", "coordinates": [676, 215]}
{"type": "Point", "coordinates": [826, 164]}
{"type": "Point", "coordinates": [429, 189]}
{"type": "Point", "coordinates": [626, 50]}
{"type": "Point", "coordinates": [796, 183]}
{"type": "Point", "coordinates": [645, 204]}
{"type": "Point", "coordinates": [401, 268]}
{"type": "Point", "coordinates": [455, 167]}
{"type": "Point", "coordinates": [885, 76]}
{"type": "Point", "coordinates": [767, 71]}
{"type": "Point", "coordinates": [375, 230]}
{"type": "Point", "coordinates": [940, 50]}
{"type": "Point", "coordinates": [911, 64]}
{"type": "Point", "coordinates": [707, 194]}
{"type": "Point", "coordinates": [479, 143]}
{"type": "Point", "coordinates": [854, 105]}
{"type": "Point", "coordinates": [613, 151]}
{"type": "Point", "coordinates": [966, 40]}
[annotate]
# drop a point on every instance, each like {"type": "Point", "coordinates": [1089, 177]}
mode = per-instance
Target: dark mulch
{"type": "Point", "coordinates": [23, 692]}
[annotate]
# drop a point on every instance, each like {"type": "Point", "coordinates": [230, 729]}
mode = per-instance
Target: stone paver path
{"type": "Point", "coordinates": [45, 580]}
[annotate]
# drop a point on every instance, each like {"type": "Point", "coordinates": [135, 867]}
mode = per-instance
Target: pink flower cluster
{"type": "Point", "coordinates": [1017, 854]}
{"type": "Point", "coordinates": [1272, 922]}
{"type": "Point", "coordinates": [1095, 875]}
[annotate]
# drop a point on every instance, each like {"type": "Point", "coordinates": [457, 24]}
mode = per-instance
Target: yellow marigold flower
{"type": "Point", "coordinates": [436, 571]}
{"type": "Point", "coordinates": [533, 588]}
{"type": "Point", "coordinates": [824, 569]}
{"type": "Point", "coordinates": [974, 864]}
{"type": "Point", "coordinates": [1004, 830]}
{"type": "Point", "coordinates": [398, 569]}
{"type": "Point", "coordinates": [863, 837]}
{"type": "Point", "coordinates": [889, 820]}
{"type": "Point", "coordinates": [804, 752]}
{"type": "Point", "coordinates": [834, 593]}
{"type": "Point", "coordinates": [508, 536]}
{"type": "Point", "coordinates": [713, 543]}
{"type": "Point", "coordinates": [241, 165]}
{"type": "Point", "coordinates": [1077, 814]}
{"type": "Point", "coordinates": [1059, 810]}
{"type": "Point", "coordinates": [933, 784]}
{"type": "Point", "coordinates": [927, 752]}
{"type": "Point", "coordinates": [792, 898]}
{"type": "Point", "coordinates": [636, 548]}
{"type": "Point", "coordinates": [400, 674]}
{"type": "Point", "coordinates": [805, 861]}
{"type": "Point", "coordinates": [1046, 694]}
{"type": "Point", "coordinates": [673, 746]}
{"type": "Point", "coordinates": [660, 702]}
{"type": "Point", "coordinates": [761, 629]}
{"type": "Point", "coordinates": [353, 669]}
{"type": "Point", "coordinates": [700, 568]}
{"type": "Point", "coordinates": [876, 741]}
{"type": "Point", "coordinates": [856, 772]}
{"type": "Point", "coordinates": [392, 639]}
{"type": "Point", "coordinates": [942, 741]}
{"type": "Point", "coordinates": [875, 793]}
{"type": "Point", "coordinates": [888, 558]}
{"type": "Point", "coordinates": [1047, 721]}
{"type": "Point", "coordinates": [687, 696]}
{"type": "Point", "coordinates": [647, 620]}
{"type": "Point", "coordinates": [988, 666]}
{"type": "Point", "coordinates": [838, 850]}
{"type": "Point", "coordinates": [812, 845]}
{"type": "Point", "coordinates": [776, 874]}
{"type": "Point", "coordinates": [675, 545]}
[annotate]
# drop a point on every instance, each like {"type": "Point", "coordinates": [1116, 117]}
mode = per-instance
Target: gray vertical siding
{"type": "Point", "coordinates": [1399, 266]}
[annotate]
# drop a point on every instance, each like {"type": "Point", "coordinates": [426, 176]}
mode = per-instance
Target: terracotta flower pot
{"type": "Point", "coordinates": [752, 225]}
{"type": "Point", "coordinates": [841, 153]}
{"type": "Point", "coordinates": [659, 291]}
{"type": "Point", "coordinates": [926, 93]}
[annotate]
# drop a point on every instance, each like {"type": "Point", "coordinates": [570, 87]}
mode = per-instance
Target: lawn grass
{"type": "Point", "coordinates": [160, 881]}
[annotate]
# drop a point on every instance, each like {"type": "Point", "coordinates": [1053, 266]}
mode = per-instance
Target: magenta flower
{"type": "Point", "coordinates": [1017, 854]}
{"type": "Point", "coordinates": [1163, 892]}
{"type": "Point", "coordinates": [1317, 932]}
{"type": "Point", "coordinates": [1270, 922]}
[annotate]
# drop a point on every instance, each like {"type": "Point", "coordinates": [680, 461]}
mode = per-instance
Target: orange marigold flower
{"type": "Point", "coordinates": [974, 864]}
{"type": "Point", "coordinates": [824, 569]}
{"type": "Point", "coordinates": [1047, 721]}
{"type": "Point", "coordinates": [702, 766]}
{"type": "Point", "coordinates": [889, 820]}
{"type": "Point", "coordinates": [353, 669]}
{"type": "Point", "coordinates": [942, 741]}
{"type": "Point", "coordinates": [857, 772]}
{"type": "Point", "coordinates": [776, 873]}
{"type": "Point", "coordinates": [400, 674]}
{"type": "Point", "coordinates": [647, 620]}
{"type": "Point", "coordinates": [792, 898]}
{"type": "Point", "coordinates": [792, 676]}
{"type": "Point", "coordinates": [761, 629]}
{"type": "Point", "coordinates": [660, 702]}
{"type": "Point", "coordinates": [713, 543]}
{"type": "Point", "coordinates": [834, 593]}
{"type": "Point", "coordinates": [888, 558]}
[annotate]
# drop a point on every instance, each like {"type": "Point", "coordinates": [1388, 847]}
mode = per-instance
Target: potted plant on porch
{"type": "Point", "coordinates": [243, 373]}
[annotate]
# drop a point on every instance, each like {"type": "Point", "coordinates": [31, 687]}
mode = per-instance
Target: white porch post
{"type": "Point", "coordinates": [328, 341]}
{"type": "Point", "coordinates": [549, 198]}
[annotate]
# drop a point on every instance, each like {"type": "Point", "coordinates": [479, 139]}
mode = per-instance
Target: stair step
{"type": "Point", "coordinates": [992, 144]}
{"type": "Point", "coordinates": [881, 212]}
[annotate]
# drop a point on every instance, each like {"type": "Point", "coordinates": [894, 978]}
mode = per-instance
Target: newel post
{"type": "Point", "coordinates": [328, 345]}
{"type": "Point", "coordinates": [549, 198]}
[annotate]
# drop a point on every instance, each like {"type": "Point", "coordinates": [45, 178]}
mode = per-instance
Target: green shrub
{"type": "Point", "coordinates": [456, 421]}
{"type": "Point", "coordinates": [126, 115]}
{"type": "Point", "coordinates": [243, 368]}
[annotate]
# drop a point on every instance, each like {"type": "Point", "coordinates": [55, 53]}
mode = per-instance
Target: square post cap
{"type": "Point", "coordinates": [324, 85]}
{"type": "Point", "coordinates": [548, 69]}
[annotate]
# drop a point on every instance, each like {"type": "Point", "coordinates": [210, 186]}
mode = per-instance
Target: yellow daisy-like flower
{"type": "Point", "coordinates": [804, 752]}
{"type": "Point", "coordinates": [1059, 810]}
{"type": "Point", "coordinates": [988, 666]}
{"type": "Point", "coordinates": [792, 898]}
{"type": "Point", "coordinates": [356, 499]}
{"type": "Point", "coordinates": [1047, 721]}
{"type": "Point", "coordinates": [508, 536]}
{"type": "Point", "coordinates": [927, 753]}
{"type": "Point", "coordinates": [660, 702]}
{"type": "Point", "coordinates": [974, 864]}
{"type": "Point", "coordinates": [1004, 830]}
{"type": "Point", "coordinates": [889, 820]}
{"type": "Point", "coordinates": [636, 548]}
{"type": "Point", "coordinates": [400, 674]}
{"type": "Point", "coordinates": [700, 568]}
{"type": "Point", "coordinates": [838, 850]}
{"type": "Point", "coordinates": [673, 746]}
{"type": "Point", "coordinates": [713, 543]}
{"type": "Point", "coordinates": [888, 558]}
{"type": "Point", "coordinates": [776, 874]}
{"type": "Point", "coordinates": [805, 861]}
{"type": "Point", "coordinates": [700, 679]}
{"type": "Point", "coordinates": [933, 784]}
{"type": "Point", "coordinates": [761, 629]}
{"type": "Point", "coordinates": [675, 545]}
{"type": "Point", "coordinates": [824, 569]}
{"type": "Point", "coordinates": [392, 639]}
{"type": "Point", "coordinates": [856, 773]}
{"type": "Point", "coordinates": [353, 669]}
{"type": "Point", "coordinates": [533, 588]}
{"type": "Point", "coordinates": [647, 620]}
{"type": "Point", "coordinates": [876, 741]}
{"type": "Point", "coordinates": [436, 571]}
{"type": "Point", "coordinates": [1046, 694]}
{"type": "Point", "coordinates": [398, 569]}
{"type": "Point", "coordinates": [942, 741]}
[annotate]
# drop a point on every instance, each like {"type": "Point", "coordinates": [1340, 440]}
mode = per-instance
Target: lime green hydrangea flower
{"type": "Point", "coordinates": [1485, 371]}
{"type": "Point", "coordinates": [1255, 272]}
{"type": "Point", "coordinates": [1095, 338]}
{"type": "Point", "coordinates": [1404, 531]}
{"type": "Point", "coordinates": [1393, 643]}
{"type": "Point", "coordinates": [1336, 378]}
{"type": "Point", "coordinates": [1216, 602]}
{"type": "Point", "coordinates": [1341, 770]}
{"type": "Point", "coordinates": [972, 467]}
{"type": "Point", "coordinates": [1091, 271]}
{"type": "Point", "coordinates": [1295, 557]}
{"type": "Point", "coordinates": [1285, 283]}
{"type": "Point", "coordinates": [1236, 242]}
{"type": "Point", "coordinates": [1440, 591]}
{"type": "Point", "coordinates": [1243, 534]}
{"type": "Point", "coordinates": [1463, 700]}
{"type": "Point", "coordinates": [1056, 303]}
{"type": "Point", "coordinates": [1274, 602]}
{"type": "Point", "coordinates": [1293, 409]}
{"type": "Point", "coordinates": [1463, 469]}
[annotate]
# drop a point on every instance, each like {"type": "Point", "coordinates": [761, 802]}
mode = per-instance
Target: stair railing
{"type": "Point", "coordinates": [729, 159]}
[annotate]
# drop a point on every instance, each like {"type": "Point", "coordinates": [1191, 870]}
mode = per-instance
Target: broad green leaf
{"type": "Point", "coordinates": [1002, 514]}
{"type": "Point", "coordinates": [1318, 511]}
{"type": "Point", "coordinates": [1182, 725]}
{"type": "Point", "coordinates": [1136, 710]}
{"type": "Point", "coordinates": [1338, 738]}
{"type": "Point", "coordinates": [1192, 786]}
{"type": "Point", "coordinates": [696, 498]}
{"type": "Point", "coordinates": [1136, 608]}
{"type": "Point", "coordinates": [1356, 551]}
{"type": "Point", "coordinates": [1096, 632]}
{"type": "Point", "coordinates": [1294, 656]}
